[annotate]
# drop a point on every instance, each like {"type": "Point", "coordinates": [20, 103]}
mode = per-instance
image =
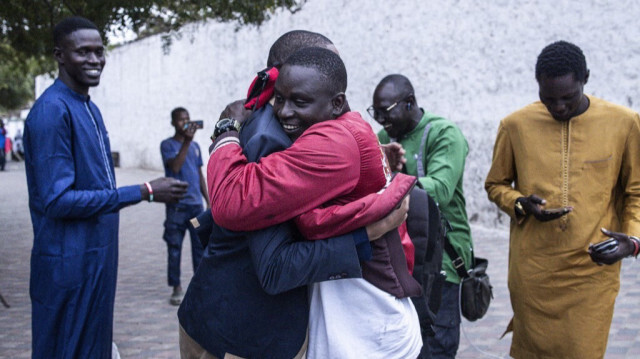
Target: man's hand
{"type": "Point", "coordinates": [395, 155]}
{"type": "Point", "coordinates": [392, 220]}
{"type": "Point", "coordinates": [236, 111]}
{"type": "Point", "coordinates": [618, 246]}
{"type": "Point", "coordinates": [533, 205]}
{"type": "Point", "coordinates": [165, 190]}
{"type": "Point", "coordinates": [189, 132]}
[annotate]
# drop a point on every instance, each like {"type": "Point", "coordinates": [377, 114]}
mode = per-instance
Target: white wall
{"type": "Point", "coordinates": [470, 61]}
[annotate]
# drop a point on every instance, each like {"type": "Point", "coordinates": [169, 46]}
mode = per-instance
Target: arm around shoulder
{"type": "Point", "coordinates": [250, 196]}
{"type": "Point", "coordinates": [283, 263]}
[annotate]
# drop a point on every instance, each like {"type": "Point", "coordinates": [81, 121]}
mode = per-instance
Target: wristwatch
{"type": "Point", "coordinates": [519, 209]}
{"type": "Point", "coordinates": [225, 125]}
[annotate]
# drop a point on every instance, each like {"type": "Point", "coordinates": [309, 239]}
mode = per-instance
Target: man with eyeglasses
{"type": "Point", "coordinates": [437, 146]}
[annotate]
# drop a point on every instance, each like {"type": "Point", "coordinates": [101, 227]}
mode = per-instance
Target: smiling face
{"type": "Point", "coordinates": [81, 59]}
{"type": "Point", "coordinates": [398, 120]}
{"type": "Point", "coordinates": [303, 98]}
{"type": "Point", "coordinates": [563, 96]}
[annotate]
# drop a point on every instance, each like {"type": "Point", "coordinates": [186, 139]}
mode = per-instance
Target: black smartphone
{"type": "Point", "coordinates": [199, 124]}
{"type": "Point", "coordinates": [606, 247]}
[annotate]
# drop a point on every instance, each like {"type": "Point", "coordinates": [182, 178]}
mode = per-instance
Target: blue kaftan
{"type": "Point", "coordinates": [74, 206]}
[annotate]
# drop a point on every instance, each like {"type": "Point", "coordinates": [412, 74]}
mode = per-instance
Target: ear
{"type": "Point", "coordinates": [338, 104]}
{"type": "Point", "coordinates": [411, 102]}
{"type": "Point", "coordinates": [57, 54]}
{"type": "Point", "coordinates": [586, 77]}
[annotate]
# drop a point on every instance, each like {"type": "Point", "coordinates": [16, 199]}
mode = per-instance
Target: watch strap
{"type": "Point", "coordinates": [225, 125]}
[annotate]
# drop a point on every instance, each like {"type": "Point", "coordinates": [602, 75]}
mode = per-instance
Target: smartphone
{"type": "Point", "coordinates": [606, 247]}
{"type": "Point", "coordinates": [199, 124]}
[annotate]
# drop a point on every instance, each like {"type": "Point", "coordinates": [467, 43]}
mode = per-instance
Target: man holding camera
{"type": "Point", "coordinates": [182, 160]}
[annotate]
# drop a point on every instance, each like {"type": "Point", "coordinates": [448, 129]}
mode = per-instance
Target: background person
{"type": "Point", "coordinates": [74, 204]}
{"type": "Point", "coordinates": [564, 167]}
{"type": "Point", "coordinates": [18, 148]}
{"type": "Point", "coordinates": [8, 148]}
{"type": "Point", "coordinates": [182, 160]}
{"type": "Point", "coordinates": [445, 149]}
{"type": "Point", "coordinates": [3, 137]}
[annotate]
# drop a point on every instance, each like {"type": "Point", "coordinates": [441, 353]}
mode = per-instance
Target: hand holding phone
{"type": "Point", "coordinates": [613, 249]}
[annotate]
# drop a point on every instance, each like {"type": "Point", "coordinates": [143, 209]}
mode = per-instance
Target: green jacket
{"type": "Point", "coordinates": [445, 152]}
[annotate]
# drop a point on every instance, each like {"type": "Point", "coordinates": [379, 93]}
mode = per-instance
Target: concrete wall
{"type": "Point", "coordinates": [470, 61]}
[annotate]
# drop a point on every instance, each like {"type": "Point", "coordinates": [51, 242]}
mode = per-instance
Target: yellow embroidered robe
{"type": "Point", "coordinates": [562, 301]}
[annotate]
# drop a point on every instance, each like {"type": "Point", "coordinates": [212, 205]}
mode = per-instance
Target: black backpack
{"type": "Point", "coordinates": [427, 232]}
{"type": "Point", "coordinates": [426, 227]}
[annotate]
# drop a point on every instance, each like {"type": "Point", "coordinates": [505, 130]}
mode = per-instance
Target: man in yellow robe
{"type": "Point", "coordinates": [579, 155]}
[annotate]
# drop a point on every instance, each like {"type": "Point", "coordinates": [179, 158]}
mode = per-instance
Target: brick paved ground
{"type": "Point", "coordinates": [146, 325]}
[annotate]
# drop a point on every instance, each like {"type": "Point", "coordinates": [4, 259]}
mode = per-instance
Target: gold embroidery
{"type": "Point", "coordinates": [566, 150]}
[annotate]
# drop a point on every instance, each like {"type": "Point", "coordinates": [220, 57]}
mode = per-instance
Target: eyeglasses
{"type": "Point", "coordinates": [380, 114]}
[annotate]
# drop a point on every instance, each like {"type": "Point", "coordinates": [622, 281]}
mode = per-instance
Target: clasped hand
{"type": "Point", "coordinates": [392, 220]}
{"type": "Point", "coordinates": [236, 111]}
{"type": "Point", "coordinates": [395, 155]}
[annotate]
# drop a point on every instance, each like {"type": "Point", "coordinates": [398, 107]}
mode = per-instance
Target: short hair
{"type": "Point", "coordinates": [327, 62]}
{"type": "Point", "coordinates": [69, 25]}
{"type": "Point", "coordinates": [559, 59]}
{"type": "Point", "coordinates": [400, 81]}
{"type": "Point", "coordinates": [293, 41]}
{"type": "Point", "coordinates": [176, 111]}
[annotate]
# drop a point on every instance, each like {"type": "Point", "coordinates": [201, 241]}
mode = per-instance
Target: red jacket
{"type": "Point", "coordinates": [324, 166]}
{"type": "Point", "coordinates": [335, 162]}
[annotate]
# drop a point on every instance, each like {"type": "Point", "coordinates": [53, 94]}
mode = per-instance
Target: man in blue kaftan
{"type": "Point", "coordinates": [74, 204]}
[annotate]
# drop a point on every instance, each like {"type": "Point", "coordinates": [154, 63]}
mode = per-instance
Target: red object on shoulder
{"type": "Point", "coordinates": [407, 246]}
{"type": "Point", "coordinates": [261, 89]}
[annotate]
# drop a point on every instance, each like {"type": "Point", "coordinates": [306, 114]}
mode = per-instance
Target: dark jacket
{"type": "Point", "coordinates": [249, 295]}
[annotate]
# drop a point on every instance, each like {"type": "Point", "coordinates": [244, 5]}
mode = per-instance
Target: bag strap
{"type": "Point", "coordinates": [456, 259]}
{"type": "Point", "coordinates": [420, 162]}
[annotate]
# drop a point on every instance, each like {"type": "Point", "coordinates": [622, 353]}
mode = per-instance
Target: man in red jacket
{"type": "Point", "coordinates": [335, 159]}
{"type": "Point", "coordinates": [266, 272]}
